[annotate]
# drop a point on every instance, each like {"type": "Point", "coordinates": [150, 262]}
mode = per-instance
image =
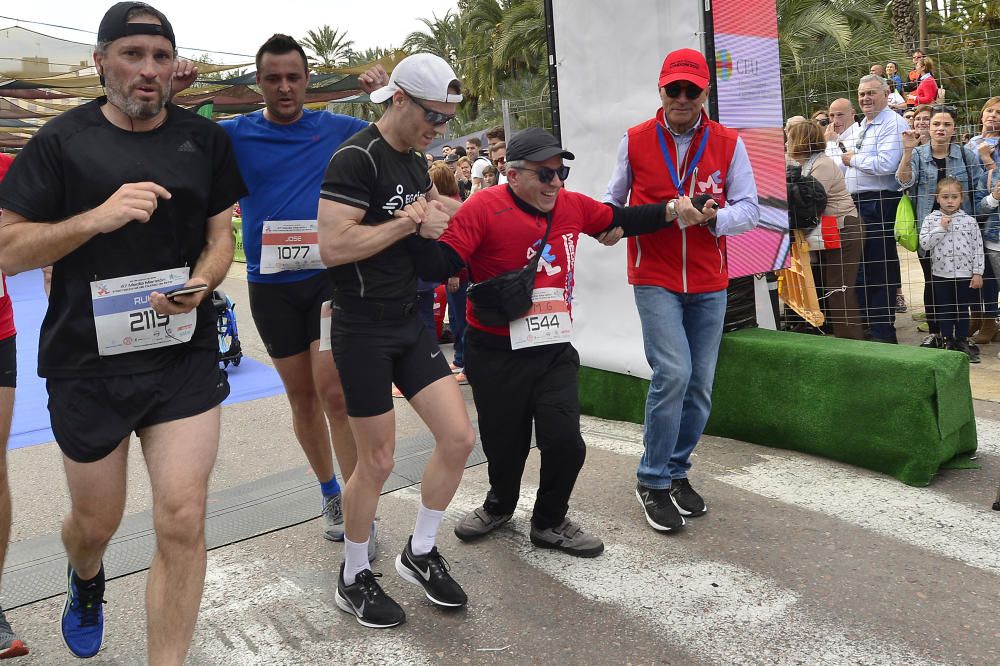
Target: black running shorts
{"type": "Point", "coordinates": [8, 362]}
{"type": "Point", "coordinates": [91, 415]}
{"type": "Point", "coordinates": [287, 315]}
{"type": "Point", "coordinates": [372, 355]}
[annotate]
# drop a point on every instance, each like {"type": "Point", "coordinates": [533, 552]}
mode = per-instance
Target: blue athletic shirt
{"type": "Point", "coordinates": [283, 167]}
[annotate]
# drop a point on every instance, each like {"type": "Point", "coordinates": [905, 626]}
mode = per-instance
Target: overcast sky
{"type": "Point", "coordinates": [240, 27]}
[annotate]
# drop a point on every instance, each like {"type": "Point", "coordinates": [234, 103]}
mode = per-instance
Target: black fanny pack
{"type": "Point", "coordinates": [498, 301]}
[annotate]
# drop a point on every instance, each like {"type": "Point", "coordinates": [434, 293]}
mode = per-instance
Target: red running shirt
{"type": "Point", "coordinates": [6, 309]}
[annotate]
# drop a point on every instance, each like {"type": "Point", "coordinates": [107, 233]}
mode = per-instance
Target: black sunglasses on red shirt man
{"type": "Point", "coordinates": [545, 174]}
{"type": "Point", "coordinates": [674, 90]}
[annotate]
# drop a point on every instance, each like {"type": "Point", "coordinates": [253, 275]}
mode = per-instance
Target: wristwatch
{"type": "Point", "coordinates": [672, 209]}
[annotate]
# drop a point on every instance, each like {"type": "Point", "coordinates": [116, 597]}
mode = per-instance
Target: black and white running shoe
{"type": "Point", "coordinates": [659, 509]}
{"type": "Point", "coordinates": [430, 572]}
{"type": "Point", "coordinates": [687, 501]}
{"type": "Point", "coordinates": [367, 602]}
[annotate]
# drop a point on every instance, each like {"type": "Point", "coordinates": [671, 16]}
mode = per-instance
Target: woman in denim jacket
{"type": "Point", "coordinates": [918, 174]}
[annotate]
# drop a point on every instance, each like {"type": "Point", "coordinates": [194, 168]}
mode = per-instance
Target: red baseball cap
{"type": "Point", "coordinates": [685, 65]}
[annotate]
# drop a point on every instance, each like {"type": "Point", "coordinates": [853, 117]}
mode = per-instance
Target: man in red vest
{"type": "Point", "coordinates": [701, 169]}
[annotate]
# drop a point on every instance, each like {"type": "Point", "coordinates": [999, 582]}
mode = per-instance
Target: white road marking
{"type": "Point", "coordinates": [738, 615]}
{"type": "Point", "coordinates": [922, 517]}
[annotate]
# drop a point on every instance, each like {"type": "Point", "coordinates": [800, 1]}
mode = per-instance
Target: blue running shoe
{"type": "Point", "coordinates": [83, 615]}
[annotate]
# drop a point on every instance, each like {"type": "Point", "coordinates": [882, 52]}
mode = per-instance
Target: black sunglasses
{"type": "Point", "coordinates": [430, 115]}
{"type": "Point", "coordinates": [943, 108]}
{"type": "Point", "coordinates": [545, 174]}
{"type": "Point", "coordinates": [691, 90]}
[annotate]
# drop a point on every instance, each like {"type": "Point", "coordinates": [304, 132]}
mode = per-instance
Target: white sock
{"type": "Point", "coordinates": [355, 559]}
{"type": "Point", "coordinates": [425, 531]}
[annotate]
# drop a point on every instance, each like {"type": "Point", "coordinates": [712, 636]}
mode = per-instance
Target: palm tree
{"type": "Point", "coordinates": [330, 47]}
{"type": "Point", "coordinates": [443, 37]}
{"type": "Point", "coordinates": [904, 23]}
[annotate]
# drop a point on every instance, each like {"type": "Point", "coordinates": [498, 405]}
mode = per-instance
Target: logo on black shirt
{"type": "Point", "coordinates": [187, 147]}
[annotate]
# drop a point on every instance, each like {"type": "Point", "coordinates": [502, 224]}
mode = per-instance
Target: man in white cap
{"type": "Point", "coordinates": [376, 201]}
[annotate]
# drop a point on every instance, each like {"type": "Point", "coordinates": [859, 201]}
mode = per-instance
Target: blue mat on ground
{"type": "Point", "coordinates": [249, 381]}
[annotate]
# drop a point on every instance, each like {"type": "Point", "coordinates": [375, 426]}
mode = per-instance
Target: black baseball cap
{"type": "Point", "coordinates": [115, 24]}
{"type": "Point", "coordinates": [535, 145]}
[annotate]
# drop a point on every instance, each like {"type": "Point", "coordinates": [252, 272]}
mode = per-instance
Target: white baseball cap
{"type": "Point", "coordinates": [422, 75]}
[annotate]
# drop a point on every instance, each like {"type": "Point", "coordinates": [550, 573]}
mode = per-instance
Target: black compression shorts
{"type": "Point", "coordinates": [8, 362]}
{"type": "Point", "coordinates": [91, 416]}
{"type": "Point", "coordinates": [287, 314]}
{"type": "Point", "coordinates": [372, 355]}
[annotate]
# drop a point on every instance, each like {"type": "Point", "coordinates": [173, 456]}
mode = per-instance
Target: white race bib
{"type": "Point", "coordinates": [547, 322]}
{"type": "Point", "coordinates": [125, 322]}
{"type": "Point", "coordinates": [325, 318]}
{"type": "Point", "coordinates": [289, 245]}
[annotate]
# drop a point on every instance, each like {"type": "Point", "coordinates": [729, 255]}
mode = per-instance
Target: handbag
{"type": "Point", "coordinates": [905, 229]}
{"type": "Point", "coordinates": [501, 299]}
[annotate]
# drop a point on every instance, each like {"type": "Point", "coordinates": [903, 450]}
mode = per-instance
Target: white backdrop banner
{"type": "Point", "coordinates": [608, 58]}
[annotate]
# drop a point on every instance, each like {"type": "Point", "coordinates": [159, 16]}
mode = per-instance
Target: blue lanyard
{"type": "Point", "coordinates": [679, 182]}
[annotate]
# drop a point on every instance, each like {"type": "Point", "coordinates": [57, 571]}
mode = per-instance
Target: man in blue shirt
{"type": "Point", "coordinates": [283, 151]}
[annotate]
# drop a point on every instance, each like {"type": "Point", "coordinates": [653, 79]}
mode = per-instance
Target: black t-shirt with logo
{"type": "Point", "coordinates": [367, 173]}
{"type": "Point", "coordinates": [74, 164]}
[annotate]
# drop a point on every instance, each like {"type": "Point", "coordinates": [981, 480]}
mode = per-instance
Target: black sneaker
{"type": "Point", "coordinates": [687, 501]}
{"type": "Point", "coordinates": [969, 349]}
{"type": "Point", "coordinates": [932, 341]}
{"type": "Point", "coordinates": [660, 512]}
{"type": "Point", "coordinates": [430, 572]}
{"type": "Point", "coordinates": [367, 602]}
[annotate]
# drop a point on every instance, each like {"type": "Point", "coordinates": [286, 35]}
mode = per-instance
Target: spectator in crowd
{"type": "Point", "coordinates": [495, 135]}
{"type": "Point", "coordinates": [447, 185]}
{"type": "Point", "coordinates": [908, 117]}
{"type": "Point", "coordinates": [841, 118]}
{"type": "Point", "coordinates": [914, 74]}
{"type": "Point", "coordinates": [822, 117]}
{"type": "Point", "coordinates": [463, 171]}
{"type": "Point", "coordinates": [498, 155]}
{"type": "Point", "coordinates": [877, 70]}
{"type": "Point", "coordinates": [836, 266]}
{"type": "Point", "coordinates": [474, 146]}
{"type": "Point", "coordinates": [874, 149]}
{"type": "Point", "coordinates": [896, 101]}
{"type": "Point", "coordinates": [489, 176]}
{"type": "Point", "coordinates": [985, 143]}
{"type": "Point", "coordinates": [922, 122]}
{"type": "Point", "coordinates": [446, 150]}
{"type": "Point", "coordinates": [429, 158]}
{"type": "Point", "coordinates": [953, 239]}
{"type": "Point", "coordinates": [927, 90]}
{"type": "Point", "coordinates": [989, 206]}
{"type": "Point", "coordinates": [892, 74]}
{"type": "Point", "coordinates": [919, 171]}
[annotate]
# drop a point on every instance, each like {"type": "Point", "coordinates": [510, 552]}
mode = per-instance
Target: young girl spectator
{"type": "Point", "coordinates": [956, 248]}
{"type": "Point", "coordinates": [920, 170]}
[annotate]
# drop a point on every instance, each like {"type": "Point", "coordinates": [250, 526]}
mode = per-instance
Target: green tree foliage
{"type": "Point", "coordinates": [330, 47]}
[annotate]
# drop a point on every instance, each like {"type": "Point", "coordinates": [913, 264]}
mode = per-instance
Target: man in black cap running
{"type": "Point", "coordinates": [130, 198]}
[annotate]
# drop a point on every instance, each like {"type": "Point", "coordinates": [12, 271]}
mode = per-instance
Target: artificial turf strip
{"type": "Point", "coordinates": [904, 411]}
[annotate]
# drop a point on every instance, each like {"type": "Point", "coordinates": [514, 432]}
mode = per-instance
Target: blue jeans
{"type": "Point", "coordinates": [681, 335]}
{"type": "Point", "coordinates": [456, 316]}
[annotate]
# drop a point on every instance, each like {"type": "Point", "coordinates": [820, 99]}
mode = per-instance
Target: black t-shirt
{"type": "Point", "coordinates": [941, 173]}
{"type": "Point", "coordinates": [74, 164]}
{"type": "Point", "coordinates": [367, 173]}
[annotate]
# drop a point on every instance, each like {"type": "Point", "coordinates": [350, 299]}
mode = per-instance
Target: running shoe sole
{"type": "Point", "coordinates": [577, 552]}
{"type": "Point", "coordinates": [685, 512]}
{"type": "Point", "coordinates": [346, 606]}
{"type": "Point", "coordinates": [656, 526]}
{"type": "Point", "coordinates": [406, 574]}
{"type": "Point", "coordinates": [16, 649]}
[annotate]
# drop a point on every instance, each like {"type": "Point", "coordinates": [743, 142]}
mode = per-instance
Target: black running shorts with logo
{"type": "Point", "coordinates": [287, 314]}
{"type": "Point", "coordinates": [372, 355]}
{"type": "Point", "coordinates": [91, 416]}
{"type": "Point", "coordinates": [8, 362]}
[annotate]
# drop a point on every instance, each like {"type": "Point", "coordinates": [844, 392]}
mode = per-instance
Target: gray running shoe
{"type": "Point", "coordinates": [333, 517]}
{"type": "Point", "coordinates": [10, 644]}
{"type": "Point", "coordinates": [373, 542]}
{"type": "Point", "coordinates": [569, 538]}
{"type": "Point", "coordinates": [478, 523]}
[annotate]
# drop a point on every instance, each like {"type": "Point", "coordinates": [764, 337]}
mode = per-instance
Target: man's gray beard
{"type": "Point", "coordinates": [131, 108]}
